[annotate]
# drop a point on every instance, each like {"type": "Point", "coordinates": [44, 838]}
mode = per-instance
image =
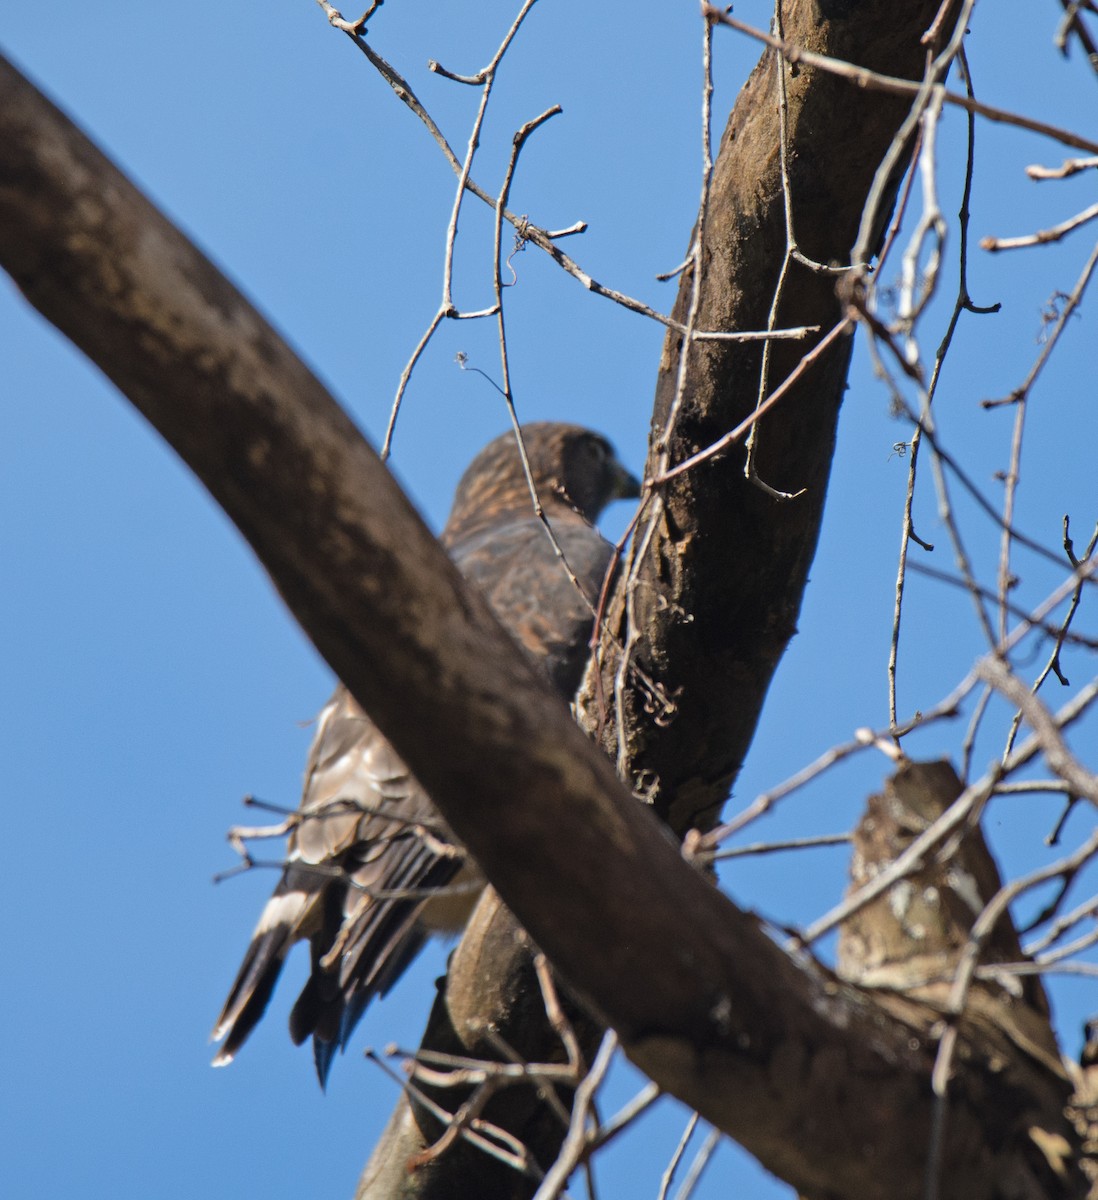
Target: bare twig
{"type": "Point", "coordinates": [864, 78]}
{"type": "Point", "coordinates": [760, 848]}
{"type": "Point", "coordinates": [1073, 23]}
{"type": "Point", "coordinates": [962, 303]}
{"type": "Point", "coordinates": [1081, 781]}
{"type": "Point", "coordinates": [1042, 236]}
{"type": "Point", "coordinates": [1066, 311]}
{"type": "Point", "coordinates": [842, 329]}
{"type": "Point", "coordinates": [576, 1142]}
{"type": "Point", "coordinates": [672, 1167]}
{"type": "Point", "coordinates": [1069, 167]}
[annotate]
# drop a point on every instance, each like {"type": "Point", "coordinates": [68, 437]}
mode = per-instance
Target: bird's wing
{"type": "Point", "coordinates": [367, 852]}
{"type": "Point", "coordinates": [516, 567]}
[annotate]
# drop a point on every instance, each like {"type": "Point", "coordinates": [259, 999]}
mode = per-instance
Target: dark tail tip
{"type": "Point", "coordinates": [323, 1056]}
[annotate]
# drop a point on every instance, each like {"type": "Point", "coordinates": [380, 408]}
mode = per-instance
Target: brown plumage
{"type": "Point", "coordinates": [371, 868]}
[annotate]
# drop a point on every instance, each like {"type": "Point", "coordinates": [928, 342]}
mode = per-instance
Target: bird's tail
{"type": "Point", "coordinates": [285, 920]}
{"type": "Point", "coordinates": [349, 971]}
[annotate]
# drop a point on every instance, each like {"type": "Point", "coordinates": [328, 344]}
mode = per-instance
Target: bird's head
{"type": "Point", "coordinates": [574, 470]}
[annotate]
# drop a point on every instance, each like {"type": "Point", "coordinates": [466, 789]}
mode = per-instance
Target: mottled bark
{"type": "Point", "coordinates": [721, 582]}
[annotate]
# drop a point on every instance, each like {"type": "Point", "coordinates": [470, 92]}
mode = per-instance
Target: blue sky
{"type": "Point", "coordinates": [151, 677]}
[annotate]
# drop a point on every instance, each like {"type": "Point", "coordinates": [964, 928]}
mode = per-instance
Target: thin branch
{"type": "Point", "coordinates": [702, 1160]}
{"type": "Point", "coordinates": [668, 1176]}
{"type": "Point", "coordinates": [760, 848]}
{"type": "Point", "coordinates": [1056, 632]}
{"type": "Point", "coordinates": [1081, 781]}
{"type": "Point", "coordinates": [843, 328]}
{"type": "Point", "coordinates": [1042, 236]}
{"type": "Point", "coordinates": [576, 1141]}
{"type": "Point", "coordinates": [1087, 911]}
{"type": "Point", "coordinates": [862, 77]}
{"type": "Point", "coordinates": [1073, 23]}
{"type": "Point", "coordinates": [962, 302]}
{"type": "Point", "coordinates": [751, 446]}
{"type": "Point", "coordinates": [1069, 167]}
{"type": "Point", "coordinates": [1068, 310]}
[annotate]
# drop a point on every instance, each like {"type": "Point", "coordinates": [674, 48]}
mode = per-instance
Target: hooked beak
{"type": "Point", "coordinates": [626, 485]}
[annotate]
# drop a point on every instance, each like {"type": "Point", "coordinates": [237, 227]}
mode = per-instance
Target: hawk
{"type": "Point", "coordinates": [371, 868]}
